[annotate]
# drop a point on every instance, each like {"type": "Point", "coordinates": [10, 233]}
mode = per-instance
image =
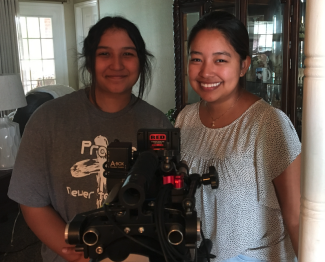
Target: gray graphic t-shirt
{"type": "Point", "coordinates": [63, 148]}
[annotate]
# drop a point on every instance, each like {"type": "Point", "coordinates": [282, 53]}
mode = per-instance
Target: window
{"type": "Point", "coordinates": [264, 34]}
{"type": "Point", "coordinates": [43, 53]}
{"type": "Point", "coordinates": [37, 59]}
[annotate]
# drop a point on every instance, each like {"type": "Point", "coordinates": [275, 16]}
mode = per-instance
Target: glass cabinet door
{"type": "Point", "coordinates": [224, 5]}
{"type": "Point", "coordinates": [189, 20]}
{"type": "Point", "coordinates": [301, 66]}
{"type": "Point", "coordinates": [265, 28]}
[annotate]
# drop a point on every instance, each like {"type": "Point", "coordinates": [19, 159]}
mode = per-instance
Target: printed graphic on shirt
{"type": "Point", "coordinates": [93, 167]}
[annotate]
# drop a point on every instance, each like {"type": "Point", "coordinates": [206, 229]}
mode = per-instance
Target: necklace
{"type": "Point", "coordinates": [214, 119]}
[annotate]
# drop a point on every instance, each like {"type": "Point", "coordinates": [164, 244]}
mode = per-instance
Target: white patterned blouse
{"type": "Point", "coordinates": [243, 215]}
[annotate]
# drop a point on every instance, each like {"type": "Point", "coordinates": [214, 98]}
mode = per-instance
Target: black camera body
{"type": "Point", "coordinates": [150, 209]}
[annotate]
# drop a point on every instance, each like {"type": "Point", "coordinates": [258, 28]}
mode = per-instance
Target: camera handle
{"type": "Point", "coordinates": [210, 178]}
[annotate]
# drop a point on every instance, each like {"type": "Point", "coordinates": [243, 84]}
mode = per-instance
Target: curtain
{"type": "Point", "coordinates": [9, 52]}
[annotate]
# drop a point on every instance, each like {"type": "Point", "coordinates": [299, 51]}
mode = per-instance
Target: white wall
{"type": "Point", "coordinates": [154, 19]}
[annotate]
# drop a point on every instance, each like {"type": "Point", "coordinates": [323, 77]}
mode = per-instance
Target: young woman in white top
{"type": "Point", "coordinates": [254, 214]}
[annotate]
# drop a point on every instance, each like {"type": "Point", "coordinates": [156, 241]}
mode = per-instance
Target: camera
{"type": "Point", "coordinates": [150, 209]}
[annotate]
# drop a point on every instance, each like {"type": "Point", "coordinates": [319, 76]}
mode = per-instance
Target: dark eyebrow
{"type": "Point", "coordinates": [129, 47]}
{"type": "Point", "coordinates": [195, 53]}
{"type": "Point", "coordinates": [125, 48]}
{"type": "Point", "coordinates": [222, 53]}
{"type": "Point", "coordinates": [216, 53]}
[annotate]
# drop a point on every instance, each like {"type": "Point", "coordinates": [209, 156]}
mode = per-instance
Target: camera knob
{"type": "Point", "coordinates": [168, 153]}
{"type": "Point", "coordinates": [211, 178]}
{"type": "Point", "coordinates": [214, 182]}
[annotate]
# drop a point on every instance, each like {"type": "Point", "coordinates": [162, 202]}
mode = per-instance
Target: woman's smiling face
{"type": "Point", "coordinates": [214, 67]}
{"type": "Point", "coordinates": [117, 63]}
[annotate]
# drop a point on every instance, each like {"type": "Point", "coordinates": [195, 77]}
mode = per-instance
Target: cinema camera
{"type": "Point", "coordinates": [150, 209]}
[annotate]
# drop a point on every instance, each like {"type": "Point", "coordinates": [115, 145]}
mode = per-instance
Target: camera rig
{"type": "Point", "coordinates": [150, 209]}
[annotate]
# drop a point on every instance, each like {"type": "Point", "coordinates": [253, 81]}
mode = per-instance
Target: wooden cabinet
{"type": "Point", "coordinates": [276, 49]}
{"type": "Point", "coordinates": [298, 62]}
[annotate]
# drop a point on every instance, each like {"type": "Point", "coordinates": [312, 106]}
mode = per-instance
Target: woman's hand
{"type": "Point", "coordinates": [49, 227]}
{"type": "Point", "coordinates": [71, 252]}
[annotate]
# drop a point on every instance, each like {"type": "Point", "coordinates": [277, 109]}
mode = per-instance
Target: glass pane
{"type": "Point", "coordinates": [46, 27]}
{"type": "Point", "coordinates": [224, 5]}
{"type": "Point", "coordinates": [301, 66]}
{"type": "Point", "coordinates": [49, 81]}
{"type": "Point", "coordinates": [34, 84]}
{"type": "Point", "coordinates": [189, 20]}
{"type": "Point", "coordinates": [26, 69]}
{"type": "Point", "coordinates": [47, 48]}
{"type": "Point", "coordinates": [33, 27]}
{"type": "Point", "coordinates": [23, 27]}
{"type": "Point", "coordinates": [264, 25]}
{"type": "Point", "coordinates": [40, 83]}
{"type": "Point", "coordinates": [48, 69]}
{"type": "Point", "coordinates": [34, 48]}
{"type": "Point", "coordinates": [28, 86]}
{"type": "Point", "coordinates": [25, 52]}
{"type": "Point", "coordinates": [36, 69]}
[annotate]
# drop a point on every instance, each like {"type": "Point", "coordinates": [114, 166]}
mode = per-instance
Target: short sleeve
{"type": "Point", "coordinates": [183, 114]}
{"type": "Point", "coordinates": [28, 185]}
{"type": "Point", "coordinates": [178, 120]}
{"type": "Point", "coordinates": [277, 146]}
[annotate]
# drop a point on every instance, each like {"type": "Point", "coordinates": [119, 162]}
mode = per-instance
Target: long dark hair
{"type": "Point", "coordinates": [91, 43]}
{"type": "Point", "coordinates": [232, 29]}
